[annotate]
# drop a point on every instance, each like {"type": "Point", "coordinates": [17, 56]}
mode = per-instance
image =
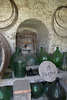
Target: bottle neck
{"type": "Point", "coordinates": [57, 81]}
{"type": "Point", "coordinates": [18, 50]}
{"type": "Point", "coordinates": [28, 51]}
{"type": "Point", "coordinates": [64, 55]}
{"type": "Point", "coordinates": [57, 48]}
{"type": "Point", "coordinates": [20, 54]}
{"type": "Point", "coordinates": [41, 48]}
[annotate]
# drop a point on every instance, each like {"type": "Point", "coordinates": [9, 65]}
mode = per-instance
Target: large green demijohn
{"type": "Point", "coordinates": [5, 93]}
{"type": "Point", "coordinates": [36, 90]}
{"type": "Point", "coordinates": [31, 59]}
{"type": "Point", "coordinates": [57, 57]}
{"type": "Point", "coordinates": [43, 56]}
{"type": "Point", "coordinates": [20, 66]}
{"type": "Point", "coordinates": [56, 91]}
{"type": "Point", "coordinates": [15, 54]}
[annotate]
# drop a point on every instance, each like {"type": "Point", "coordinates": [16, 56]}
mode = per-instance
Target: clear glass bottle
{"type": "Point", "coordinates": [63, 66]}
{"type": "Point", "coordinates": [31, 59]}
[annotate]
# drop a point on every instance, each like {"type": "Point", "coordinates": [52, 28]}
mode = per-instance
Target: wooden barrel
{"type": "Point", "coordinates": [5, 54]}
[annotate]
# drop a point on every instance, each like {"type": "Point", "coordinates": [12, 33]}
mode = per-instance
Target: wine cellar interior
{"type": "Point", "coordinates": [33, 29]}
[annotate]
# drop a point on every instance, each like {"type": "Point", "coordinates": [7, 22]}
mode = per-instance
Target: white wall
{"type": "Point", "coordinates": [42, 10]}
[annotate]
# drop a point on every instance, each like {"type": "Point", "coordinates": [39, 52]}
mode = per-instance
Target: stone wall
{"type": "Point", "coordinates": [36, 15]}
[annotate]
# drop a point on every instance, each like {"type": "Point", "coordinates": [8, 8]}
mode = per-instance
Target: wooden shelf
{"type": "Point", "coordinates": [37, 78]}
{"type": "Point", "coordinates": [41, 98]}
{"type": "Point", "coordinates": [61, 74]}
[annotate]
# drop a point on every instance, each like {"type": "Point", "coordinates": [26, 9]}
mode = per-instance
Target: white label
{"type": "Point", "coordinates": [19, 97]}
{"type": "Point", "coordinates": [21, 89]}
{"type": "Point", "coordinates": [48, 71]}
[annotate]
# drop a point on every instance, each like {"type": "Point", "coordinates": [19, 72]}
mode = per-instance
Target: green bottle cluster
{"type": "Point", "coordinates": [57, 58]}
{"type": "Point", "coordinates": [53, 90]}
{"type": "Point", "coordinates": [19, 62]}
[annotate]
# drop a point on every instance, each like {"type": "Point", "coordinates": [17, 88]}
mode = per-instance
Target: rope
{"type": "Point", "coordinates": [15, 10]}
{"type": "Point", "coordinates": [55, 19]}
{"type": "Point", "coordinates": [59, 16]}
{"type": "Point", "coordinates": [11, 13]}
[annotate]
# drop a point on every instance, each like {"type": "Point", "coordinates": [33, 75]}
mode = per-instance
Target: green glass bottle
{"type": "Point", "coordinates": [15, 54]}
{"type": "Point", "coordinates": [5, 93]}
{"type": "Point", "coordinates": [57, 57]}
{"type": "Point", "coordinates": [63, 66]}
{"type": "Point", "coordinates": [31, 59]}
{"type": "Point", "coordinates": [43, 56]}
{"type": "Point", "coordinates": [20, 66]}
{"type": "Point", "coordinates": [36, 90]}
{"type": "Point", "coordinates": [56, 91]}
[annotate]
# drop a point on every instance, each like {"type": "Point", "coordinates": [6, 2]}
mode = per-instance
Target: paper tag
{"type": "Point", "coordinates": [48, 71]}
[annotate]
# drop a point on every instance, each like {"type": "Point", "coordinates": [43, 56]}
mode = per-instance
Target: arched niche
{"type": "Point", "coordinates": [35, 26]}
